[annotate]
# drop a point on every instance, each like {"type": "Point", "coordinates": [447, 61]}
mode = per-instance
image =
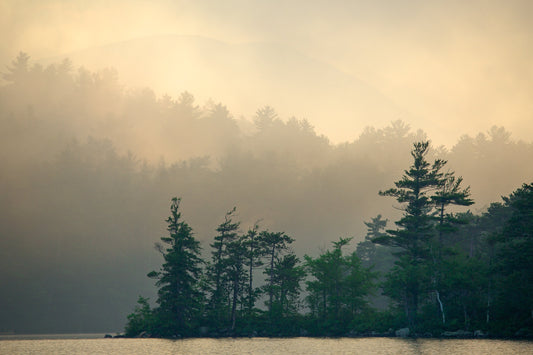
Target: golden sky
{"type": "Point", "coordinates": [456, 66]}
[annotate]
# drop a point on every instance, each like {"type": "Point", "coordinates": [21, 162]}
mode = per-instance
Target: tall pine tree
{"type": "Point", "coordinates": [410, 278]}
{"type": "Point", "coordinates": [179, 295]}
{"type": "Point", "coordinates": [224, 269]}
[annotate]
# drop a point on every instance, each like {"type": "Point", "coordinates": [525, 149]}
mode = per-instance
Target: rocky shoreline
{"type": "Point", "coordinates": [400, 333]}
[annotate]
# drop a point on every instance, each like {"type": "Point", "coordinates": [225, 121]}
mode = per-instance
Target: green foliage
{"type": "Point", "coordinates": [179, 295]}
{"type": "Point", "coordinates": [479, 275]}
{"type": "Point", "coordinates": [515, 262]}
{"type": "Point", "coordinates": [337, 290]}
{"type": "Point", "coordinates": [253, 259]}
{"type": "Point", "coordinates": [367, 250]}
{"type": "Point", "coordinates": [480, 269]}
{"type": "Point", "coordinates": [141, 320]}
{"type": "Point", "coordinates": [426, 192]}
{"type": "Point", "coordinates": [284, 286]}
{"type": "Point", "coordinates": [226, 272]}
{"type": "Point", "coordinates": [407, 282]}
{"type": "Point", "coordinates": [274, 245]}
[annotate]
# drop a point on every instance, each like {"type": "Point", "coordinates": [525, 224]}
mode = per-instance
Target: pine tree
{"type": "Point", "coordinates": [223, 258]}
{"type": "Point", "coordinates": [515, 263]}
{"type": "Point", "coordinates": [285, 287]}
{"type": "Point", "coordinates": [253, 260]}
{"type": "Point", "coordinates": [366, 250]}
{"type": "Point", "coordinates": [449, 193]}
{"type": "Point", "coordinates": [274, 243]}
{"type": "Point", "coordinates": [236, 276]}
{"type": "Point", "coordinates": [18, 73]}
{"type": "Point", "coordinates": [179, 296]}
{"type": "Point", "coordinates": [338, 288]}
{"type": "Point", "coordinates": [410, 277]}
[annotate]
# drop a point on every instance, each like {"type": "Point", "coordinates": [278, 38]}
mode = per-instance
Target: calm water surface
{"type": "Point", "coordinates": [262, 346]}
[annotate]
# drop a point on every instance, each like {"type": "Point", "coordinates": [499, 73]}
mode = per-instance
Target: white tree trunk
{"type": "Point", "coordinates": [441, 307]}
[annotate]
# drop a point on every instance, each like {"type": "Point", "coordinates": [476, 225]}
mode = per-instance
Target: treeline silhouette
{"type": "Point", "coordinates": [450, 271]}
{"type": "Point", "coordinates": [88, 165]}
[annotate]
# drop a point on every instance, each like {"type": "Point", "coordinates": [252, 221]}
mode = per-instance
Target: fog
{"type": "Point", "coordinates": [436, 64]}
{"type": "Point", "coordinates": [172, 99]}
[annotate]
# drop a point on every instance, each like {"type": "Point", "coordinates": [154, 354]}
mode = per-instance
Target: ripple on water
{"type": "Point", "coordinates": [378, 346]}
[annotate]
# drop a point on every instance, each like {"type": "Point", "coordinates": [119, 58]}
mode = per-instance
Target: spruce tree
{"type": "Point", "coordinates": [179, 295]}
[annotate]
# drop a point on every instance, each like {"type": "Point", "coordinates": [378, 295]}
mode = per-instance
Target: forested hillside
{"type": "Point", "coordinates": [88, 167]}
{"type": "Point", "coordinates": [443, 274]}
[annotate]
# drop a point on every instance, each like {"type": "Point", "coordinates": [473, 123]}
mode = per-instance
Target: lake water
{"type": "Point", "coordinates": [90, 345]}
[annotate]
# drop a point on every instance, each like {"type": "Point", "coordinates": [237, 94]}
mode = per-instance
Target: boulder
{"type": "Point", "coordinates": [458, 334]}
{"type": "Point", "coordinates": [402, 333]}
{"type": "Point", "coordinates": [143, 334]}
{"type": "Point", "coordinates": [480, 334]}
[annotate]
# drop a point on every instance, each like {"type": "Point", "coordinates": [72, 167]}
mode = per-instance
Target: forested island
{"type": "Point", "coordinates": [440, 271]}
{"type": "Point", "coordinates": [88, 167]}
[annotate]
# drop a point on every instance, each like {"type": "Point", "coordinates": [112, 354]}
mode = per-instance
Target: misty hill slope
{"type": "Point", "coordinates": [246, 77]}
{"type": "Point", "coordinates": [81, 214]}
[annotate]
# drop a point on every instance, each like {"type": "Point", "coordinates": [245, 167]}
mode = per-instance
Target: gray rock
{"type": "Point", "coordinates": [458, 334]}
{"type": "Point", "coordinates": [480, 334]}
{"type": "Point", "coordinates": [352, 334]}
{"type": "Point", "coordinates": [402, 333]}
{"type": "Point", "coordinates": [143, 334]}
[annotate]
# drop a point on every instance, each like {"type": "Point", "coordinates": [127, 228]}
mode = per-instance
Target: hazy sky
{"type": "Point", "coordinates": [456, 66]}
{"type": "Point", "coordinates": [79, 261]}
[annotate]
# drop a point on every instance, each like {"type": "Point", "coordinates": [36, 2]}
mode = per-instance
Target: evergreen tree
{"type": "Point", "coordinates": [449, 193]}
{"type": "Point", "coordinates": [236, 275]}
{"type": "Point", "coordinates": [366, 250]}
{"type": "Point", "coordinates": [253, 260]}
{"type": "Point", "coordinates": [409, 279]}
{"type": "Point", "coordinates": [285, 289]}
{"type": "Point", "coordinates": [179, 297]}
{"type": "Point", "coordinates": [338, 290]}
{"type": "Point", "coordinates": [275, 244]}
{"type": "Point", "coordinates": [18, 73]}
{"type": "Point", "coordinates": [265, 117]}
{"type": "Point", "coordinates": [224, 248]}
{"type": "Point", "coordinates": [141, 320]}
{"type": "Point", "coordinates": [515, 263]}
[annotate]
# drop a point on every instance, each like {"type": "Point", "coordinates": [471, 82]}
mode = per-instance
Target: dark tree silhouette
{"type": "Point", "coordinates": [223, 251]}
{"type": "Point", "coordinates": [179, 297]}
{"type": "Point", "coordinates": [408, 279]}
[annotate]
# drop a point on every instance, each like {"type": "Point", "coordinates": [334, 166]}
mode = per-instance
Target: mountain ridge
{"type": "Point", "coordinates": [245, 77]}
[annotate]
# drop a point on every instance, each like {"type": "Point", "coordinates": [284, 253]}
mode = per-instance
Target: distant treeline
{"type": "Point", "coordinates": [86, 168]}
{"type": "Point", "coordinates": [441, 271]}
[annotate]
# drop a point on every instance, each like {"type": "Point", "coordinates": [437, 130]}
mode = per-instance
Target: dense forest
{"type": "Point", "coordinates": [440, 271]}
{"type": "Point", "coordinates": [88, 167]}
